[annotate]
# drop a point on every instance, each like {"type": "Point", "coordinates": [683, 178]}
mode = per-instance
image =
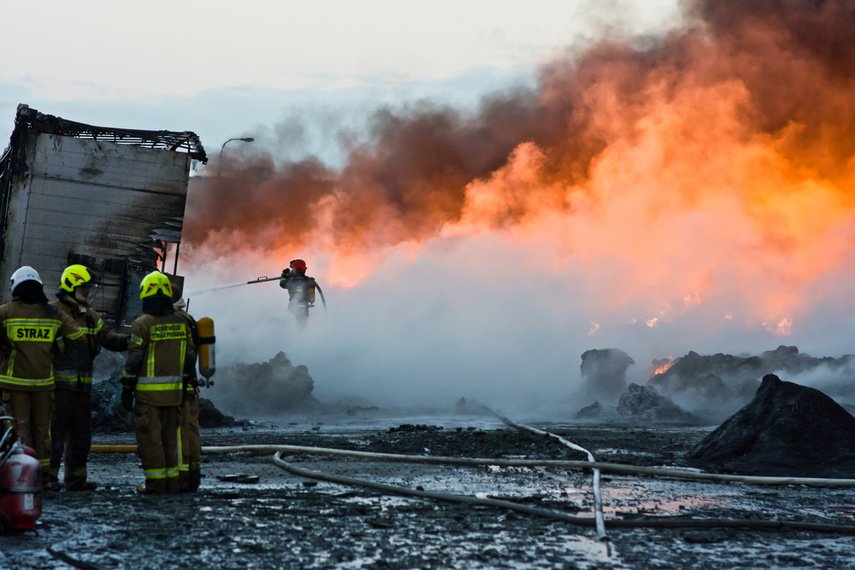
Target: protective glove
{"type": "Point", "coordinates": [128, 399]}
{"type": "Point", "coordinates": [285, 272]}
{"type": "Point", "coordinates": [125, 342]}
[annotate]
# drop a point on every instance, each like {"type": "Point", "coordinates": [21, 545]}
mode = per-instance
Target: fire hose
{"type": "Point", "coordinates": [598, 501]}
{"type": "Point", "coordinates": [671, 522]}
{"type": "Point", "coordinates": [262, 279]}
{"type": "Point", "coordinates": [660, 522]}
{"type": "Point", "coordinates": [557, 463]}
{"type": "Point", "coordinates": [653, 523]}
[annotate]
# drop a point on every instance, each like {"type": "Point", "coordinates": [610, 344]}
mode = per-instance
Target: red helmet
{"type": "Point", "coordinates": [298, 265]}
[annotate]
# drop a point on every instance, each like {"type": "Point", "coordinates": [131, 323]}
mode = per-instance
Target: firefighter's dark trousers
{"type": "Point", "coordinates": [71, 435]}
{"type": "Point", "coordinates": [190, 441]}
{"type": "Point", "coordinates": [157, 438]}
{"type": "Point", "coordinates": [32, 412]}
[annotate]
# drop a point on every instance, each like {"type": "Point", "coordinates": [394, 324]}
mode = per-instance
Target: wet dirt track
{"type": "Point", "coordinates": [284, 521]}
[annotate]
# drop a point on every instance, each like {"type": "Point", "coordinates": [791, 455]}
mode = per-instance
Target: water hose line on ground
{"type": "Point", "coordinates": [557, 463]}
{"type": "Point", "coordinates": [671, 522]}
{"type": "Point", "coordinates": [658, 522]}
{"type": "Point", "coordinates": [62, 556]}
{"type": "Point", "coordinates": [598, 500]}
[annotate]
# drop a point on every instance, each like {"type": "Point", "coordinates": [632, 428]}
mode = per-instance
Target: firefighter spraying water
{"type": "Point", "coordinates": [302, 289]}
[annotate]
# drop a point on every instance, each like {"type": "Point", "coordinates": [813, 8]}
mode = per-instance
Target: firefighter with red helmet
{"type": "Point", "coordinates": [160, 355]}
{"type": "Point", "coordinates": [71, 427]}
{"type": "Point", "coordinates": [29, 325]}
{"type": "Point", "coordinates": [301, 290]}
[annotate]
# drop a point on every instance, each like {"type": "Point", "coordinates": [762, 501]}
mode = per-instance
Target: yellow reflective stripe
{"type": "Point", "coordinates": [71, 383]}
{"type": "Point", "coordinates": [181, 465]}
{"type": "Point", "coordinates": [70, 376]}
{"type": "Point", "coordinates": [183, 351]}
{"type": "Point", "coordinates": [159, 473]}
{"type": "Point", "coordinates": [75, 335]}
{"type": "Point", "coordinates": [27, 382]}
{"type": "Point", "coordinates": [158, 387]}
{"type": "Point", "coordinates": [171, 472]}
{"type": "Point", "coordinates": [149, 366]}
{"type": "Point", "coordinates": [45, 463]}
{"type": "Point", "coordinates": [158, 383]}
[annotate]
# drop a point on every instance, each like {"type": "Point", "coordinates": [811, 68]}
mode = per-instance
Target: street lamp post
{"type": "Point", "coordinates": [222, 148]}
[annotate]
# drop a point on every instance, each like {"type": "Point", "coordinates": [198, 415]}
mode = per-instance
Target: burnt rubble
{"type": "Point", "coordinates": [604, 374]}
{"type": "Point", "coordinates": [786, 430]}
{"type": "Point", "coordinates": [267, 389]}
{"type": "Point", "coordinates": [727, 382]}
{"type": "Point", "coordinates": [639, 404]}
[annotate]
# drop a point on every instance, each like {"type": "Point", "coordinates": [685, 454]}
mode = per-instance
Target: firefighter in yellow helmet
{"type": "Point", "coordinates": [28, 328]}
{"type": "Point", "coordinates": [71, 428]}
{"type": "Point", "coordinates": [301, 289]}
{"type": "Point", "coordinates": [161, 353]}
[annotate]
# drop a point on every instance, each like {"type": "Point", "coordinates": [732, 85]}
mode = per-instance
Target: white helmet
{"type": "Point", "coordinates": [25, 273]}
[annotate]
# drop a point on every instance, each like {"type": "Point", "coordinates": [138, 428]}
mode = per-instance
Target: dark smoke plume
{"type": "Point", "coordinates": [794, 59]}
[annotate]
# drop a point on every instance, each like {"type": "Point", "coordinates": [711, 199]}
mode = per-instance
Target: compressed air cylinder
{"type": "Point", "coordinates": [207, 362]}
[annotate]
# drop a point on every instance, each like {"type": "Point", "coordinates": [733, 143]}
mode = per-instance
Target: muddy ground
{"type": "Point", "coordinates": [285, 521]}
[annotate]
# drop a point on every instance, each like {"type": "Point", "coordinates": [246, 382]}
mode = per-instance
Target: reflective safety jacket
{"type": "Point", "coordinates": [27, 334]}
{"type": "Point", "coordinates": [160, 353]}
{"type": "Point", "coordinates": [73, 365]}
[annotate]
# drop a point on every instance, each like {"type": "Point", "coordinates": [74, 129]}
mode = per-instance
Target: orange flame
{"type": "Point", "coordinates": [662, 368]}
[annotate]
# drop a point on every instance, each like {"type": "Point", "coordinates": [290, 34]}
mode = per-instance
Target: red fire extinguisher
{"type": "Point", "coordinates": [20, 484]}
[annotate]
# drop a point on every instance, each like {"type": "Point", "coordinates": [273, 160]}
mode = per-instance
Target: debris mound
{"type": "Point", "coordinates": [646, 403]}
{"type": "Point", "coordinates": [266, 389]}
{"type": "Point", "coordinates": [787, 430]}
{"type": "Point", "coordinates": [725, 383]}
{"type": "Point", "coordinates": [604, 373]}
{"type": "Point", "coordinates": [639, 404]}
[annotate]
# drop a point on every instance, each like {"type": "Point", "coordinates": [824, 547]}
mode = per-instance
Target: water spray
{"type": "Point", "coordinates": [262, 279]}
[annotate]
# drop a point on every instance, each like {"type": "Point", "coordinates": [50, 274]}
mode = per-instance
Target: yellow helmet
{"type": "Point", "coordinates": [74, 276]}
{"type": "Point", "coordinates": [153, 283]}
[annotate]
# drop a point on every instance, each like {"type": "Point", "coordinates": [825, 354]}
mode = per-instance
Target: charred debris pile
{"type": "Point", "coordinates": [697, 389]}
{"type": "Point", "coordinates": [241, 390]}
{"type": "Point", "coordinates": [786, 430]}
{"type": "Point", "coordinates": [604, 376]}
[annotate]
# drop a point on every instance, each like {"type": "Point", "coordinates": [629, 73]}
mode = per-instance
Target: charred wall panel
{"type": "Point", "coordinates": [99, 200]}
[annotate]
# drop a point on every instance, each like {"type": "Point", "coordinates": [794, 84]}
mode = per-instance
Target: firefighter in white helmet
{"type": "Point", "coordinates": [71, 428]}
{"type": "Point", "coordinates": [161, 353]}
{"type": "Point", "coordinates": [28, 328]}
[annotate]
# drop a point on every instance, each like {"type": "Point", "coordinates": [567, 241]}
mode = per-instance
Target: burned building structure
{"type": "Point", "coordinates": [112, 199]}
